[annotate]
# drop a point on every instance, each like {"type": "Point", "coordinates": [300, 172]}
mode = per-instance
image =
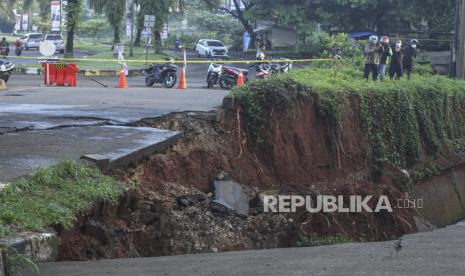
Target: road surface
{"type": "Point", "coordinates": [73, 119]}
{"type": "Point", "coordinates": [441, 252]}
{"type": "Point", "coordinates": [25, 59]}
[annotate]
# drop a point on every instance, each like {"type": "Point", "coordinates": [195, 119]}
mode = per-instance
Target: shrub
{"type": "Point", "coordinates": [404, 121]}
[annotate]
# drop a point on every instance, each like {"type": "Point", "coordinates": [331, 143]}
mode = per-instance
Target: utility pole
{"type": "Point", "coordinates": [133, 16]}
{"type": "Point", "coordinates": [459, 43]}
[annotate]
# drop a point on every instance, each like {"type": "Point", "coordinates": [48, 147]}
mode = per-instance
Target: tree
{"type": "Point", "coordinates": [74, 9]}
{"type": "Point", "coordinates": [161, 9]}
{"type": "Point", "coordinates": [94, 28]}
{"type": "Point", "coordinates": [114, 10]}
{"type": "Point", "coordinates": [382, 16]}
{"type": "Point", "coordinates": [238, 13]}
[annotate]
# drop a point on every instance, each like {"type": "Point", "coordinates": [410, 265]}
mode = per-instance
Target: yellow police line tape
{"type": "Point", "coordinates": [174, 61]}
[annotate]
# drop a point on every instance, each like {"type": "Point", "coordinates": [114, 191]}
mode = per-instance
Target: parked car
{"type": "Point", "coordinates": [57, 39]}
{"type": "Point", "coordinates": [211, 48]}
{"type": "Point", "coordinates": [32, 40]}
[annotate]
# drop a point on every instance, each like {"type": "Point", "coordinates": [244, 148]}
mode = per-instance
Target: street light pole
{"type": "Point", "coordinates": [459, 41]}
{"type": "Point", "coordinates": [131, 52]}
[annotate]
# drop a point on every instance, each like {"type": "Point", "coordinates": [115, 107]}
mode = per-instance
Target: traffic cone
{"type": "Point", "coordinates": [2, 85]}
{"type": "Point", "coordinates": [182, 79]}
{"type": "Point", "coordinates": [122, 83]}
{"type": "Point", "coordinates": [240, 80]}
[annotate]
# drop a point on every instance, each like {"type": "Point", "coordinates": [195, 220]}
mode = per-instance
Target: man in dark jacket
{"type": "Point", "coordinates": [395, 70]}
{"type": "Point", "coordinates": [411, 52]}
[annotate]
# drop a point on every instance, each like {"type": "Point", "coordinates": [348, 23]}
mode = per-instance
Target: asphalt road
{"type": "Point", "coordinates": [441, 252]}
{"type": "Point", "coordinates": [30, 115]}
{"type": "Point", "coordinates": [25, 60]}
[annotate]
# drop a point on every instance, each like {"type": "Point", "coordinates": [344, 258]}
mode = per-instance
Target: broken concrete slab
{"type": "Point", "coordinates": [23, 152]}
{"type": "Point", "coordinates": [231, 195]}
{"type": "Point", "coordinates": [39, 247]}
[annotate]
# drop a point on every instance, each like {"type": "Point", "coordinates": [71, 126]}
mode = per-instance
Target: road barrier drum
{"type": "Point", "coordinates": [60, 74]}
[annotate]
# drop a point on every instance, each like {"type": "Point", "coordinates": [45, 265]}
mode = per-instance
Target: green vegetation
{"type": "Point", "coordinates": [54, 196]}
{"type": "Point", "coordinates": [96, 62]}
{"type": "Point", "coordinates": [405, 121]}
{"type": "Point", "coordinates": [321, 241]}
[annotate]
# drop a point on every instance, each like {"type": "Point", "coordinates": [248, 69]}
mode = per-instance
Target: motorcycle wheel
{"type": "Point", "coordinates": [170, 80]}
{"type": "Point", "coordinates": [211, 81]}
{"type": "Point", "coordinates": [225, 84]}
{"type": "Point", "coordinates": [149, 81]}
{"type": "Point", "coordinates": [18, 51]}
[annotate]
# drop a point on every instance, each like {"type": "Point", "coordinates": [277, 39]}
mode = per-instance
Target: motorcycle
{"type": "Point", "coordinates": [165, 74]}
{"type": "Point", "coordinates": [18, 50]}
{"type": "Point", "coordinates": [229, 75]}
{"type": "Point", "coordinates": [213, 74]}
{"type": "Point", "coordinates": [6, 69]}
{"type": "Point", "coordinates": [265, 70]}
{"type": "Point", "coordinates": [4, 50]}
{"type": "Point", "coordinates": [282, 66]}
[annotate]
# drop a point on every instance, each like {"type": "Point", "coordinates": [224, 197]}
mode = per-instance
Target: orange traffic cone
{"type": "Point", "coordinates": [122, 83]}
{"type": "Point", "coordinates": [240, 80]}
{"type": "Point", "coordinates": [182, 79]}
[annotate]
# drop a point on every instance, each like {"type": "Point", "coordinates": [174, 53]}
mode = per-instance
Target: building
{"type": "Point", "coordinates": [279, 36]}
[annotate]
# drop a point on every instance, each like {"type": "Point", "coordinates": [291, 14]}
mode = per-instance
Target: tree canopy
{"type": "Point", "coordinates": [358, 15]}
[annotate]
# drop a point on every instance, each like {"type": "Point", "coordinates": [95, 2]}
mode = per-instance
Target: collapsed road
{"type": "Point", "coordinates": [203, 194]}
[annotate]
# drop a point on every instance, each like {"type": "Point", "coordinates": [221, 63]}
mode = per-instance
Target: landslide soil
{"type": "Point", "coordinates": [299, 155]}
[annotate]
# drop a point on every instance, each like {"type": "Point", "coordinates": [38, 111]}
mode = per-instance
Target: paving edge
{"type": "Point", "coordinates": [106, 163]}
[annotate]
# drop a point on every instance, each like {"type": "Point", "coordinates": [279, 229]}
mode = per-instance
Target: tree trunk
{"type": "Point", "coordinates": [116, 36]}
{"type": "Point", "coordinates": [140, 28]}
{"type": "Point", "coordinates": [247, 26]}
{"type": "Point", "coordinates": [157, 42]}
{"type": "Point", "coordinates": [70, 43]}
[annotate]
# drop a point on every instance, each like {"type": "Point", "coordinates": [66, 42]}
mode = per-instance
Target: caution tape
{"type": "Point", "coordinates": [177, 61]}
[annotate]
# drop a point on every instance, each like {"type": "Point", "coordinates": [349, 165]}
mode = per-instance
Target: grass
{"type": "Point", "coordinates": [54, 196]}
{"type": "Point", "coordinates": [107, 61]}
{"type": "Point", "coordinates": [322, 241]}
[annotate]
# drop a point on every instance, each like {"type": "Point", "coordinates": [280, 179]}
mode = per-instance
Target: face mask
{"type": "Point", "coordinates": [414, 46]}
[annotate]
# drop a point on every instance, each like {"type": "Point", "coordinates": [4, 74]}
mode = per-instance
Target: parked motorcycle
{"type": "Point", "coordinates": [213, 74]}
{"type": "Point", "coordinates": [229, 75]}
{"type": "Point", "coordinates": [265, 70]}
{"type": "Point", "coordinates": [6, 69]}
{"type": "Point", "coordinates": [283, 65]}
{"type": "Point", "coordinates": [165, 74]}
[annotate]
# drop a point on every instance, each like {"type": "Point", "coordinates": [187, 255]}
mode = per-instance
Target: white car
{"type": "Point", "coordinates": [211, 48]}
{"type": "Point", "coordinates": [32, 40]}
{"type": "Point", "coordinates": [57, 39]}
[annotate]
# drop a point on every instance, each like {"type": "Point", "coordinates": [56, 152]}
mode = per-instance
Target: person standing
{"type": "Point", "coordinates": [261, 50]}
{"type": "Point", "coordinates": [395, 69]}
{"type": "Point", "coordinates": [385, 57]}
{"type": "Point", "coordinates": [177, 45]}
{"type": "Point", "coordinates": [411, 52]}
{"type": "Point", "coordinates": [372, 52]}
